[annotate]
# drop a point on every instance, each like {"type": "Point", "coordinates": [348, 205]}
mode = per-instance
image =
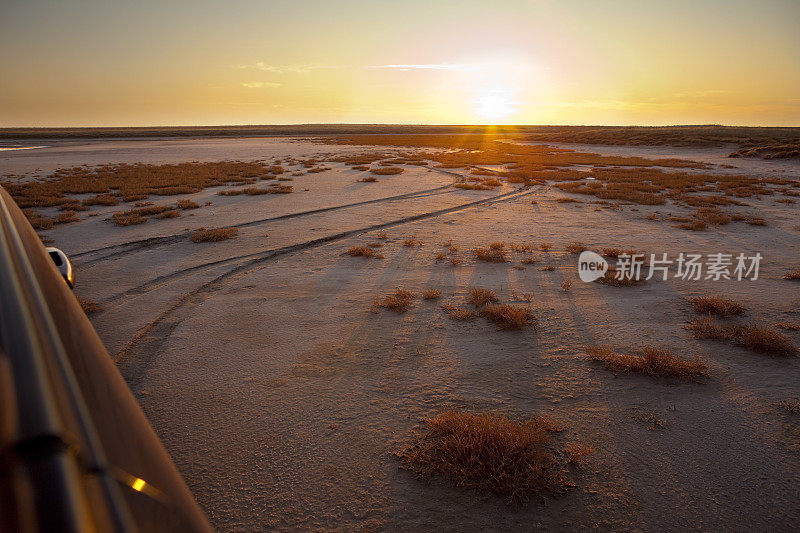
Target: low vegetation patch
{"type": "Point", "coordinates": [491, 255]}
{"type": "Point", "coordinates": [399, 301]}
{"type": "Point", "coordinates": [487, 452]}
{"type": "Point", "coordinates": [752, 337]}
{"type": "Point", "coordinates": [480, 297]}
{"type": "Point", "coordinates": [386, 171]}
{"type": "Point", "coordinates": [793, 274]}
{"type": "Point", "coordinates": [612, 279]}
{"type": "Point", "coordinates": [187, 204]}
{"type": "Point", "coordinates": [458, 313]}
{"type": "Point", "coordinates": [716, 305]}
{"type": "Point", "coordinates": [508, 316]}
{"type": "Point", "coordinates": [213, 235]}
{"type": "Point", "coordinates": [411, 242]}
{"type": "Point", "coordinates": [431, 294]}
{"type": "Point", "coordinates": [89, 306]}
{"type": "Point", "coordinates": [576, 248]}
{"type": "Point", "coordinates": [578, 452]}
{"type": "Point", "coordinates": [364, 251]}
{"type": "Point", "coordinates": [654, 362]}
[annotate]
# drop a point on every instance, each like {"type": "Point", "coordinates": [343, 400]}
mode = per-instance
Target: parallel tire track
{"type": "Point", "coordinates": [137, 355]}
{"type": "Point", "coordinates": [115, 250]}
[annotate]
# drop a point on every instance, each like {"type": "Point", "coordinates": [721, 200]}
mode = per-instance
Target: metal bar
{"type": "Point", "coordinates": [29, 335]}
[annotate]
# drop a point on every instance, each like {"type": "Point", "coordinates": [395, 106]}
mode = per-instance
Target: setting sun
{"type": "Point", "coordinates": [494, 107]}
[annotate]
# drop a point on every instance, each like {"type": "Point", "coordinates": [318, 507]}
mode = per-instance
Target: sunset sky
{"type": "Point", "coordinates": [114, 63]}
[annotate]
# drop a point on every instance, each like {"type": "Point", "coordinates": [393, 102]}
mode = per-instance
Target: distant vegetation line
{"type": "Point", "coordinates": [765, 142]}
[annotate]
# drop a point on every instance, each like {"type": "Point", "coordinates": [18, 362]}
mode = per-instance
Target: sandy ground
{"type": "Point", "coordinates": [282, 398]}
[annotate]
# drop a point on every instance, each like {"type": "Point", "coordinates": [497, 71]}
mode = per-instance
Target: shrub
{"type": "Point", "coordinates": [487, 452]}
{"type": "Point", "coordinates": [89, 307]}
{"type": "Point", "coordinates": [187, 204]}
{"type": "Point", "coordinates": [792, 274]}
{"type": "Point", "coordinates": [716, 305]}
{"type": "Point", "coordinates": [653, 362]}
{"type": "Point", "coordinates": [213, 235]}
{"type": "Point", "coordinates": [491, 255]}
{"type": "Point", "coordinates": [386, 171]}
{"type": "Point", "coordinates": [508, 316]}
{"type": "Point", "coordinates": [577, 453]}
{"type": "Point", "coordinates": [399, 301]}
{"type": "Point", "coordinates": [411, 242]}
{"type": "Point", "coordinates": [752, 337]}
{"type": "Point", "coordinates": [576, 248]}
{"type": "Point", "coordinates": [431, 294]}
{"type": "Point", "coordinates": [545, 246]}
{"type": "Point", "coordinates": [368, 179]}
{"type": "Point", "coordinates": [480, 297]}
{"type": "Point", "coordinates": [363, 251]}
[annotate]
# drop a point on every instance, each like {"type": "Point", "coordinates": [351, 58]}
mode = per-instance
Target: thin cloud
{"type": "Point", "coordinates": [456, 67]}
{"type": "Point", "coordinates": [284, 69]}
{"type": "Point", "coordinates": [261, 85]}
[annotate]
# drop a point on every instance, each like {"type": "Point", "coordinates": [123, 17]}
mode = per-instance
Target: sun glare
{"type": "Point", "coordinates": [494, 107]}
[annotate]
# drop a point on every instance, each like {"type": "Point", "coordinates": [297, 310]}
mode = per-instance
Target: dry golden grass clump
{"type": "Point", "coordinates": [67, 217]}
{"type": "Point", "coordinates": [610, 278]}
{"type": "Point", "coordinates": [39, 221]}
{"type": "Point", "coordinates": [508, 316]}
{"type": "Point", "coordinates": [455, 261]}
{"type": "Point", "coordinates": [412, 241]}
{"type": "Point", "coordinates": [487, 452]}
{"type": "Point", "coordinates": [654, 362]}
{"type": "Point", "coordinates": [792, 274]}
{"type": "Point", "coordinates": [213, 235]}
{"type": "Point", "coordinates": [712, 215]}
{"type": "Point", "coordinates": [616, 252]}
{"type": "Point", "coordinates": [364, 251]}
{"type": "Point", "coordinates": [458, 313]}
{"type": "Point", "coordinates": [101, 199]}
{"type": "Point", "coordinates": [131, 182]}
{"type": "Point", "coordinates": [480, 297]}
{"type": "Point", "coordinates": [89, 306]}
{"type": "Point", "coordinates": [752, 337]}
{"type": "Point", "coordinates": [138, 215]}
{"type": "Point", "coordinates": [695, 225]}
{"type": "Point", "coordinates": [522, 248]}
{"type": "Point", "coordinates": [399, 301]}
{"type": "Point", "coordinates": [548, 268]}
{"type": "Point", "coordinates": [497, 245]}
{"type": "Point", "coordinates": [187, 204]}
{"type": "Point", "coordinates": [386, 171]}
{"type": "Point", "coordinates": [578, 452]}
{"type": "Point", "coordinates": [566, 284]}
{"type": "Point", "coordinates": [368, 179]}
{"type": "Point", "coordinates": [545, 246]}
{"type": "Point", "coordinates": [716, 305]}
{"type": "Point", "coordinates": [431, 294]}
{"type": "Point", "coordinates": [491, 255]}
{"type": "Point", "coordinates": [529, 261]}
{"type": "Point", "coordinates": [258, 191]}
{"type": "Point", "coordinates": [382, 235]}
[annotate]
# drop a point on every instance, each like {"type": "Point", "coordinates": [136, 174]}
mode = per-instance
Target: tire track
{"type": "Point", "coordinates": [137, 355]}
{"type": "Point", "coordinates": [134, 246]}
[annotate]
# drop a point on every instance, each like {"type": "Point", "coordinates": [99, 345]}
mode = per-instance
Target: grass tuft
{"type": "Point", "coordinates": [654, 362]}
{"type": "Point", "coordinates": [89, 306]}
{"type": "Point", "coordinates": [213, 235]}
{"type": "Point", "coordinates": [399, 301]}
{"type": "Point", "coordinates": [364, 251]}
{"type": "Point", "coordinates": [752, 337]}
{"type": "Point", "coordinates": [487, 452]}
{"type": "Point", "coordinates": [716, 305]}
{"type": "Point", "coordinates": [458, 313]}
{"type": "Point", "coordinates": [431, 294]}
{"type": "Point", "coordinates": [491, 255]}
{"type": "Point", "coordinates": [509, 316]}
{"type": "Point", "coordinates": [480, 297]}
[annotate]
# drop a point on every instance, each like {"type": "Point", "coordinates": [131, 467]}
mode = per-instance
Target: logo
{"type": "Point", "coordinates": [591, 266]}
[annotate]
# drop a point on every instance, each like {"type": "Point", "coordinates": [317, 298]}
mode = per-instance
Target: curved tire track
{"type": "Point", "coordinates": [137, 355]}
{"type": "Point", "coordinates": [152, 242]}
